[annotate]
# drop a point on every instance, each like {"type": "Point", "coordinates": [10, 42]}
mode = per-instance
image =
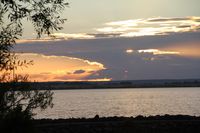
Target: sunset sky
{"type": "Point", "coordinates": [117, 40]}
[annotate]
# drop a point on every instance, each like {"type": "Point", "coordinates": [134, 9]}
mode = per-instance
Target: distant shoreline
{"type": "Point", "coordinates": [110, 84]}
{"type": "Point", "coordinates": [139, 124]}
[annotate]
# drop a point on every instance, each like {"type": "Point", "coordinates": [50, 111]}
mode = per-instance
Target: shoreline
{"type": "Point", "coordinates": [128, 84]}
{"type": "Point", "coordinates": [139, 124]}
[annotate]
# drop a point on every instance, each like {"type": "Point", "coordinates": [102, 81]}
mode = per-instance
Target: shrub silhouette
{"type": "Point", "coordinates": [16, 121]}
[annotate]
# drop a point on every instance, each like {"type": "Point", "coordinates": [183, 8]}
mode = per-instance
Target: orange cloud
{"type": "Point", "coordinates": [58, 68]}
{"type": "Point", "coordinates": [34, 40]}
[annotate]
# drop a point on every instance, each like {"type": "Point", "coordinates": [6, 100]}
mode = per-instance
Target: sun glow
{"type": "Point", "coordinates": [190, 49]}
{"type": "Point", "coordinates": [157, 52]}
{"type": "Point", "coordinates": [59, 68]}
{"type": "Point", "coordinates": [129, 51]}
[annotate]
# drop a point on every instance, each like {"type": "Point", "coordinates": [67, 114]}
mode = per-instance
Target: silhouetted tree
{"type": "Point", "coordinates": [16, 102]}
{"type": "Point", "coordinates": [17, 105]}
{"type": "Point", "coordinates": [43, 14]}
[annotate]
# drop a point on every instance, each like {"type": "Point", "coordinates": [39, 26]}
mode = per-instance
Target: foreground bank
{"type": "Point", "coordinates": [139, 124]}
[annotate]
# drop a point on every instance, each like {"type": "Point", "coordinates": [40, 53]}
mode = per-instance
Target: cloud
{"type": "Point", "coordinates": [158, 52]}
{"type": "Point", "coordinates": [54, 68]}
{"type": "Point", "coordinates": [168, 19]}
{"type": "Point", "coordinates": [34, 40]}
{"type": "Point", "coordinates": [129, 51]}
{"type": "Point", "coordinates": [79, 72]}
{"type": "Point", "coordinates": [114, 29]}
{"type": "Point", "coordinates": [125, 23]}
{"type": "Point", "coordinates": [152, 48]}
{"type": "Point", "coordinates": [57, 37]}
{"type": "Point", "coordinates": [107, 57]}
{"type": "Point", "coordinates": [151, 26]}
{"type": "Point", "coordinates": [72, 36]}
{"type": "Point", "coordinates": [105, 35]}
{"type": "Point", "coordinates": [128, 28]}
{"type": "Point", "coordinates": [103, 79]}
{"type": "Point", "coordinates": [187, 49]}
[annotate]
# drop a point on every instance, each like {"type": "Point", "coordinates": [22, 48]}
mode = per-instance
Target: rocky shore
{"type": "Point", "coordinates": [139, 124]}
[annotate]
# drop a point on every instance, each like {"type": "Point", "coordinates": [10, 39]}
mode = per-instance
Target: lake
{"type": "Point", "coordinates": [123, 102]}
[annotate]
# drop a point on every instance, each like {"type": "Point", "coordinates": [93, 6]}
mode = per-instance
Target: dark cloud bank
{"type": "Point", "coordinates": [120, 65]}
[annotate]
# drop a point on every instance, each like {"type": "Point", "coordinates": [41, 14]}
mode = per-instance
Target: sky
{"type": "Point", "coordinates": [117, 40]}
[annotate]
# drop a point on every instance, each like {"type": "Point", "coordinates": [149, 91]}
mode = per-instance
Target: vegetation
{"type": "Point", "coordinates": [16, 104]}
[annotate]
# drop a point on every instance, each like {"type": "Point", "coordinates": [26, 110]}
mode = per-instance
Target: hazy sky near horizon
{"type": "Point", "coordinates": [118, 40]}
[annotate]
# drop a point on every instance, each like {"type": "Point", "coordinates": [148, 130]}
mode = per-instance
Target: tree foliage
{"type": "Point", "coordinates": [15, 99]}
{"type": "Point", "coordinates": [43, 14]}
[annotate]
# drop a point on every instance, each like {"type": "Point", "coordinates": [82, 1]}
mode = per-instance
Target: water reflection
{"type": "Point", "coordinates": [124, 102]}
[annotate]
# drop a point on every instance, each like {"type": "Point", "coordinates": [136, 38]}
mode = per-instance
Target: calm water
{"type": "Point", "coordinates": [123, 102]}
